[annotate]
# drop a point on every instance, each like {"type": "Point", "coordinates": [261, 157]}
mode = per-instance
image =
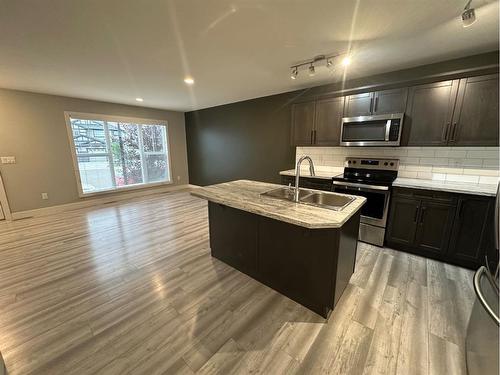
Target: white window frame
{"type": "Point", "coordinates": [110, 118]}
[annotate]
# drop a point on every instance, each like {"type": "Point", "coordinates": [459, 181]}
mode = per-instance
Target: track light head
{"type": "Point", "coordinates": [295, 73]}
{"type": "Point", "coordinates": [312, 71]}
{"type": "Point", "coordinates": [468, 15]}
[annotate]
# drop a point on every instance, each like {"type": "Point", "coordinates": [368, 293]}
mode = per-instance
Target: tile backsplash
{"type": "Point", "coordinates": [458, 164]}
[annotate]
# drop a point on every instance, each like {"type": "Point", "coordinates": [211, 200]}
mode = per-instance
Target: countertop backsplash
{"type": "Point", "coordinates": [457, 164]}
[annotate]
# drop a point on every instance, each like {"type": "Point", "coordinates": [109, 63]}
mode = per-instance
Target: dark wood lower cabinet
{"type": "Point", "coordinates": [310, 266]}
{"type": "Point", "coordinates": [449, 227]}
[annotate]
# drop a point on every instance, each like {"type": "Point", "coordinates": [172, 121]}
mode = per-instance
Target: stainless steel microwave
{"type": "Point", "coordinates": [380, 130]}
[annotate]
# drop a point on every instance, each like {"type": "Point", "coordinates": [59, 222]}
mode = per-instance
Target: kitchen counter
{"type": "Point", "coordinates": [245, 195]}
{"type": "Point", "coordinates": [448, 186]}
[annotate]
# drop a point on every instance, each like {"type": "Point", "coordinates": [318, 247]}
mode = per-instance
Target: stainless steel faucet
{"type": "Point", "coordinates": [297, 175]}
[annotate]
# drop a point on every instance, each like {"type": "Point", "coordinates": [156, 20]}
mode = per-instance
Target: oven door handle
{"type": "Point", "coordinates": [387, 130]}
{"type": "Point", "coordinates": [361, 186]}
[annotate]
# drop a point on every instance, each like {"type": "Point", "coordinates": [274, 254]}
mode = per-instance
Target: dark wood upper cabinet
{"type": "Point", "coordinates": [470, 231]}
{"type": "Point", "coordinates": [327, 122]}
{"type": "Point", "coordinates": [376, 103]}
{"type": "Point", "coordinates": [429, 113]}
{"type": "Point", "coordinates": [303, 123]}
{"type": "Point", "coordinates": [475, 120]}
{"type": "Point", "coordinates": [359, 105]}
{"type": "Point", "coordinates": [390, 101]}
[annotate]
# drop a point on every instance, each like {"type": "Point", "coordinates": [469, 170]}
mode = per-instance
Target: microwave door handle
{"type": "Point", "coordinates": [387, 129]}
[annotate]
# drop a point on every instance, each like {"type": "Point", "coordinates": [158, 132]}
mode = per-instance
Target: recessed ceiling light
{"type": "Point", "coordinates": [346, 61]}
{"type": "Point", "coordinates": [139, 99]}
{"type": "Point", "coordinates": [189, 80]}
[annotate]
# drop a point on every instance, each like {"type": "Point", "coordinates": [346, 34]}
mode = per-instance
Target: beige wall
{"type": "Point", "coordinates": [33, 129]}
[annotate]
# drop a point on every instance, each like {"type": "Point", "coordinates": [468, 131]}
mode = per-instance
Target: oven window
{"type": "Point", "coordinates": [364, 131]}
{"type": "Point", "coordinates": [374, 206]}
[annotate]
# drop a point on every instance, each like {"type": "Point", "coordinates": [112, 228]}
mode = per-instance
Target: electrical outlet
{"type": "Point", "coordinates": [8, 159]}
{"type": "Point", "coordinates": [45, 196]}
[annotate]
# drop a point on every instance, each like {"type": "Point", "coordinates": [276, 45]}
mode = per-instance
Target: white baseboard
{"type": "Point", "coordinates": [96, 201]}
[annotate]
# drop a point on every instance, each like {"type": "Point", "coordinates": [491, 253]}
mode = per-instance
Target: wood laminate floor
{"type": "Point", "coordinates": [130, 287]}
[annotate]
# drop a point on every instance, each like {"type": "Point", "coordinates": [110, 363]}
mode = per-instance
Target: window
{"type": "Point", "coordinates": [112, 153]}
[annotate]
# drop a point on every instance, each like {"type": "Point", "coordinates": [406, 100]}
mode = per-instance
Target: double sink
{"type": "Point", "coordinates": [330, 201]}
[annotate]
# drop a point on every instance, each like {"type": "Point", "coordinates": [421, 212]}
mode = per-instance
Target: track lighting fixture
{"type": "Point", "coordinates": [468, 15]}
{"type": "Point", "coordinates": [329, 61]}
{"type": "Point", "coordinates": [312, 71]}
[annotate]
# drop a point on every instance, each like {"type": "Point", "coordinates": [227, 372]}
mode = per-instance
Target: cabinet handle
{"type": "Point", "coordinates": [416, 215]}
{"type": "Point", "coordinates": [422, 215]}
{"type": "Point", "coordinates": [460, 205]}
{"type": "Point", "coordinates": [371, 105]}
{"type": "Point", "coordinates": [452, 137]}
{"type": "Point", "coordinates": [375, 104]}
{"type": "Point", "coordinates": [315, 136]}
{"type": "Point", "coordinates": [312, 136]}
{"type": "Point", "coordinates": [445, 138]}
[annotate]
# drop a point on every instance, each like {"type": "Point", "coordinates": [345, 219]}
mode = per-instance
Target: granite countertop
{"type": "Point", "coordinates": [322, 174]}
{"type": "Point", "coordinates": [449, 186]}
{"type": "Point", "coordinates": [245, 195]}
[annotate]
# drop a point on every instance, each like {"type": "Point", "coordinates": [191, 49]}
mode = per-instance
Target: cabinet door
{"type": "Point", "coordinates": [327, 123]}
{"type": "Point", "coordinates": [359, 105]}
{"type": "Point", "coordinates": [429, 113]}
{"type": "Point", "coordinates": [402, 221]}
{"type": "Point", "coordinates": [390, 101]}
{"type": "Point", "coordinates": [302, 123]}
{"type": "Point", "coordinates": [469, 230]}
{"type": "Point", "coordinates": [434, 227]}
{"type": "Point", "coordinates": [475, 121]}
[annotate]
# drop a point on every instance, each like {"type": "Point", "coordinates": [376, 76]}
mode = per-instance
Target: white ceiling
{"type": "Point", "coordinates": [117, 50]}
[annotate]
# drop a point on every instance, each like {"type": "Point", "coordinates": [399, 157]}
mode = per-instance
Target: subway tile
{"type": "Point", "coordinates": [419, 168]}
{"type": "Point", "coordinates": [482, 172]}
{"type": "Point", "coordinates": [447, 170]}
{"type": "Point", "coordinates": [407, 174]}
{"type": "Point", "coordinates": [438, 176]}
{"type": "Point", "coordinates": [424, 175]}
{"type": "Point", "coordinates": [408, 160]}
{"type": "Point", "coordinates": [489, 163]}
{"type": "Point", "coordinates": [488, 180]}
{"type": "Point", "coordinates": [483, 154]}
{"type": "Point", "coordinates": [421, 152]}
{"type": "Point", "coordinates": [462, 178]}
{"type": "Point", "coordinates": [433, 161]}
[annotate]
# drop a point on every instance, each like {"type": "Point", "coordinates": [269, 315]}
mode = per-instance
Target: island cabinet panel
{"type": "Point", "coordinates": [310, 266]}
{"type": "Point", "coordinates": [303, 123]}
{"type": "Point", "coordinates": [429, 114]}
{"type": "Point", "coordinates": [327, 121]}
{"type": "Point", "coordinates": [475, 120]}
{"type": "Point", "coordinates": [450, 227]}
{"type": "Point", "coordinates": [233, 237]}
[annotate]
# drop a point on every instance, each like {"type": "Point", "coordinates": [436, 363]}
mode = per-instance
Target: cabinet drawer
{"type": "Point", "coordinates": [430, 195]}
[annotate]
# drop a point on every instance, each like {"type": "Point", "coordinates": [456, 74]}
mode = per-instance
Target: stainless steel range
{"type": "Point", "coordinates": [370, 178]}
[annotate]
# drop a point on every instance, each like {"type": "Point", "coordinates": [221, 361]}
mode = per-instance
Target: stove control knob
{"type": "Point", "coordinates": [354, 161]}
{"type": "Point", "coordinates": [392, 164]}
{"type": "Point", "coordinates": [348, 162]}
{"type": "Point", "coordinates": [385, 163]}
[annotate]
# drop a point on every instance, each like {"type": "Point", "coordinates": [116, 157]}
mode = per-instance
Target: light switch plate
{"type": "Point", "coordinates": [8, 159]}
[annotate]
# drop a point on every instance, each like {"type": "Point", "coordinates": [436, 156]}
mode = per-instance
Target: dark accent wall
{"type": "Point", "coordinates": [244, 140]}
{"type": "Point", "coordinates": [251, 139]}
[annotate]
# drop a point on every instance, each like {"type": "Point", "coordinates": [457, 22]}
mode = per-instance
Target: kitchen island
{"type": "Point", "coordinates": [304, 252]}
